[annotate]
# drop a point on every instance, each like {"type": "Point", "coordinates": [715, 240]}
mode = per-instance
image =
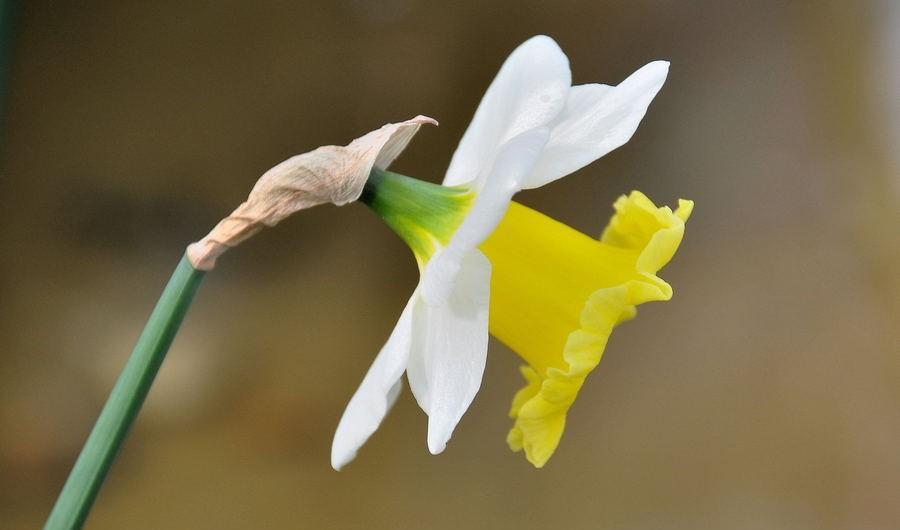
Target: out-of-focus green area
{"type": "Point", "coordinates": [764, 395]}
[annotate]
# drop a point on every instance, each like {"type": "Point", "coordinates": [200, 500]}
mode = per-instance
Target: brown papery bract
{"type": "Point", "coordinates": [329, 174]}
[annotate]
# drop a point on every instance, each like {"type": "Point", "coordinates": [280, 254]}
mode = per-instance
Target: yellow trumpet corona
{"type": "Point", "coordinates": [557, 294]}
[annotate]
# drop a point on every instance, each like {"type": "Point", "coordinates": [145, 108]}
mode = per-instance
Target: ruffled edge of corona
{"type": "Point", "coordinates": [539, 409]}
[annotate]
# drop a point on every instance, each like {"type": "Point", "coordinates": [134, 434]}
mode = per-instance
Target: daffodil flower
{"type": "Point", "coordinates": [548, 292]}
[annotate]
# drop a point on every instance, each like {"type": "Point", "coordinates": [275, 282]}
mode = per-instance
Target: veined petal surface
{"type": "Point", "coordinates": [596, 120]}
{"type": "Point", "coordinates": [449, 349]}
{"type": "Point", "coordinates": [529, 92]}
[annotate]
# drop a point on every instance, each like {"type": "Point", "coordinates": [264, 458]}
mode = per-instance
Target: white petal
{"type": "Point", "coordinates": [514, 162]}
{"type": "Point", "coordinates": [596, 120]}
{"type": "Point", "coordinates": [528, 92]}
{"type": "Point", "coordinates": [450, 348]}
{"type": "Point", "coordinates": [377, 392]}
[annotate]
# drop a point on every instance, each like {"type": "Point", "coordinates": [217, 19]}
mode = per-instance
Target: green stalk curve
{"type": "Point", "coordinates": [80, 490]}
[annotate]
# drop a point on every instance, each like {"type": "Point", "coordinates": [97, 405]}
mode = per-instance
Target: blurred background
{"type": "Point", "coordinates": [764, 395]}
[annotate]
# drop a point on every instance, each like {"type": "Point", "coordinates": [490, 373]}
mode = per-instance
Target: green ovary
{"type": "Point", "coordinates": [423, 214]}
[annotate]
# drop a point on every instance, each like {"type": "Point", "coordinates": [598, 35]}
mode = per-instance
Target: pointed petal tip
{"type": "Point", "coordinates": [541, 40]}
{"type": "Point", "coordinates": [337, 464]}
{"type": "Point", "coordinates": [340, 458]}
{"type": "Point", "coordinates": [541, 46]}
{"type": "Point", "coordinates": [436, 446]}
{"type": "Point", "coordinates": [439, 433]}
{"type": "Point", "coordinates": [659, 67]}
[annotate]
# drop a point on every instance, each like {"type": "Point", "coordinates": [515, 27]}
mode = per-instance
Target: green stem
{"type": "Point", "coordinates": [125, 400]}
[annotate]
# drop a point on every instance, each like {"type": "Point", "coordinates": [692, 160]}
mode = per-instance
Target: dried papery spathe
{"type": "Point", "coordinates": [330, 174]}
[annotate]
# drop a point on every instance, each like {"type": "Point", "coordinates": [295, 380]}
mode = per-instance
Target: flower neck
{"type": "Point", "coordinates": [423, 214]}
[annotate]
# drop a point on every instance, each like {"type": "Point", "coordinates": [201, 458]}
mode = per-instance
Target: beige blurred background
{"type": "Point", "coordinates": [764, 395]}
